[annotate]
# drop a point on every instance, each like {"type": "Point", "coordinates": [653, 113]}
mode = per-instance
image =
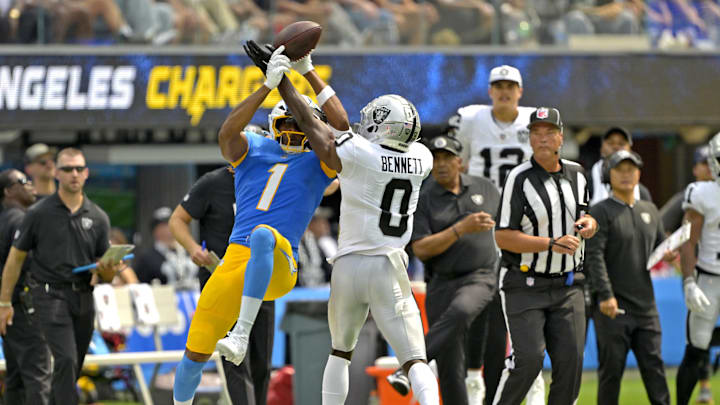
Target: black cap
{"type": "Point", "coordinates": [619, 130]}
{"type": "Point", "coordinates": [546, 114]}
{"type": "Point", "coordinates": [160, 216]}
{"type": "Point", "coordinates": [623, 155]}
{"type": "Point", "coordinates": [444, 142]}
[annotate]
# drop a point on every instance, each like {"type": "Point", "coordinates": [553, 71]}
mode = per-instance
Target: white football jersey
{"type": "Point", "coordinates": [490, 148]}
{"type": "Point", "coordinates": [380, 190]}
{"type": "Point", "coordinates": [703, 197]}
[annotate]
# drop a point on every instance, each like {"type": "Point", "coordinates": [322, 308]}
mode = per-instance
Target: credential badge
{"type": "Point", "coordinates": [87, 223]}
{"type": "Point", "coordinates": [477, 199]}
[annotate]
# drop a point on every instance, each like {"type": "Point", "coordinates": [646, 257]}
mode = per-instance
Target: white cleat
{"type": "Point", "coordinates": [233, 347]}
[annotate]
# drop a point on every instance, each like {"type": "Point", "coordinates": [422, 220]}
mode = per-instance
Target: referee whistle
{"type": "Point", "coordinates": [94, 265]}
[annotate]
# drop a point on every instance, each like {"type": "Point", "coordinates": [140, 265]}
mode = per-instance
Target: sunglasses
{"type": "Point", "coordinates": [70, 169]}
{"type": "Point", "coordinates": [23, 181]}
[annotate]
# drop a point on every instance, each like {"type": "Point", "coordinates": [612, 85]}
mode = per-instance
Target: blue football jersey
{"type": "Point", "coordinates": [276, 188]}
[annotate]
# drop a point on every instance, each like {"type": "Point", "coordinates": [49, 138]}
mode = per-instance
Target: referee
{"type": "Point", "coordinates": [211, 201]}
{"type": "Point", "coordinates": [543, 206]}
{"type": "Point", "coordinates": [63, 231]}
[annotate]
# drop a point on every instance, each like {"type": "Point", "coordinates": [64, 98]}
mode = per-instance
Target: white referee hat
{"type": "Point", "coordinates": [505, 72]}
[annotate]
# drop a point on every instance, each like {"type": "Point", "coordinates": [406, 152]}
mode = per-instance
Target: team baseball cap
{"type": "Point", "coordinates": [546, 114]}
{"type": "Point", "coordinates": [619, 130]}
{"type": "Point", "coordinates": [505, 72]}
{"type": "Point", "coordinates": [160, 216]}
{"type": "Point", "coordinates": [444, 142]}
{"type": "Point", "coordinates": [701, 154]}
{"type": "Point", "coordinates": [37, 150]}
{"type": "Point", "coordinates": [623, 155]}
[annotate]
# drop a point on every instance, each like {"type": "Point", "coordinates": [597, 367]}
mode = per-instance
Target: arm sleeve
{"type": "Point", "coordinates": [595, 257]}
{"type": "Point", "coordinates": [512, 204]}
{"type": "Point", "coordinates": [195, 201]}
{"type": "Point", "coordinates": [25, 239]}
{"type": "Point", "coordinates": [103, 240]}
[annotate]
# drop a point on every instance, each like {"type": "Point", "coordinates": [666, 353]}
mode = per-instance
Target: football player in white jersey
{"type": "Point", "coordinates": [380, 172]}
{"type": "Point", "coordinates": [495, 137]}
{"type": "Point", "coordinates": [701, 272]}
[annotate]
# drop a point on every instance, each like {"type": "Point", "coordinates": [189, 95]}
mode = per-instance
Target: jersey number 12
{"type": "Point", "coordinates": [394, 185]}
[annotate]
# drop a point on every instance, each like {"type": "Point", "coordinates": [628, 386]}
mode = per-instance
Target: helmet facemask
{"type": "Point", "coordinates": [291, 141]}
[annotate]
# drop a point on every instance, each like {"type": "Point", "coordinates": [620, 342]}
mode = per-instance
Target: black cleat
{"type": "Point", "coordinates": [399, 381]}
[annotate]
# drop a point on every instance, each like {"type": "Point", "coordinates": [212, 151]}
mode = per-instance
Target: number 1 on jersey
{"type": "Point", "coordinates": [278, 171]}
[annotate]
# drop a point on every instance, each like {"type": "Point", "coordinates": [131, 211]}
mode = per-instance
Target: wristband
{"type": "Point", "coordinates": [325, 95]}
{"type": "Point", "coordinates": [550, 244]}
{"type": "Point", "coordinates": [5, 304]}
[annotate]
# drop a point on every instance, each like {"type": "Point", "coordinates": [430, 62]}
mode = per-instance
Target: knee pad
{"type": "Point", "coordinates": [262, 240]}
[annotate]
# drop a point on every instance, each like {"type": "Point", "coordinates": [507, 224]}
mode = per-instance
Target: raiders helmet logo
{"type": "Point", "coordinates": [542, 113]}
{"type": "Point", "coordinates": [379, 114]}
{"type": "Point", "coordinates": [440, 143]}
{"type": "Point", "coordinates": [477, 199]}
{"type": "Point", "coordinates": [646, 217]}
{"type": "Point", "coordinates": [86, 223]}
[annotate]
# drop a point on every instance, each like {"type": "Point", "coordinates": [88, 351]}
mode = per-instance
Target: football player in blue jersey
{"type": "Point", "coordinates": [278, 185]}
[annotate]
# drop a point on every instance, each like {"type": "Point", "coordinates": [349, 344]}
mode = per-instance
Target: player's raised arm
{"type": "Point", "coordinates": [327, 100]}
{"type": "Point", "coordinates": [232, 140]}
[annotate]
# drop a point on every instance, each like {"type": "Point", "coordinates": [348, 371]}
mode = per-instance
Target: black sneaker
{"type": "Point", "coordinates": [399, 381]}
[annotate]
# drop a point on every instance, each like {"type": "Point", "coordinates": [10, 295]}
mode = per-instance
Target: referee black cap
{"type": "Point", "coordinates": [623, 155]}
{"type": "Point", "coordinates": [620, 131]}
{"type": "Point", "coordinates": [546, 114]}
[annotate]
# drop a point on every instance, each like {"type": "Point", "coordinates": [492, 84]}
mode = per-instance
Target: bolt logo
{"type": "Point", "coordinates": [199, 88]}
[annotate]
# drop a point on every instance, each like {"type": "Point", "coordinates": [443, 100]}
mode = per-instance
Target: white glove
{"type": "Point", "coordinates": [303, 65]}
{"type": "Point", "coordinates": [695, 299]}
{"type": "Point", "coordinates": [277, 66]}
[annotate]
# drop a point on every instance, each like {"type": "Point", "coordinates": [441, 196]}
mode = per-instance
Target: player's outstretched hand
{"type": "Point", "coordinates": [278, 65]}
{"type": "Point", "coordinates": [695, 299]}
{"type": "Point", "coordinates": [303, 65]}
{"type": "Point", "coordinates": [260, 55]}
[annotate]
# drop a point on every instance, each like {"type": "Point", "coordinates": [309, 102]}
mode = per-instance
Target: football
{"type": "Point", "coordinates": [299, 38]}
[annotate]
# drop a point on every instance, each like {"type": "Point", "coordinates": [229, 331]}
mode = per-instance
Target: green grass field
{"type": "Point", "coordinates": [632, 391]}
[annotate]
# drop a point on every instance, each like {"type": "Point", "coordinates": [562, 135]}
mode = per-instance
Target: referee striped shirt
{"type": "Point", "coordinates": [545, 204]}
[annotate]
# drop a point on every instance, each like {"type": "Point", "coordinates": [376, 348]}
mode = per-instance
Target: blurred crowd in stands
{"type": "Point", "coordinates": [668, 24]}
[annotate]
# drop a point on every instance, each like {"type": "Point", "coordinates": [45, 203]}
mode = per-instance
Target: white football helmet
{"type": "Point", "coordinates": [279, 113]}
{"type": "Point", "coordinates": [390, 120]}
{"type": "Point", "coordinates": [714, 156]}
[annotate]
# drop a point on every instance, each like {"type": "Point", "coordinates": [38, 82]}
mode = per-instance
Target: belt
{"type": "Point", "coordinates": [70, 285]}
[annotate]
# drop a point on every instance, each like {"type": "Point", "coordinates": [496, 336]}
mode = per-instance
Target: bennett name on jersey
{"type": "Point", "coordinates": [402, 165]}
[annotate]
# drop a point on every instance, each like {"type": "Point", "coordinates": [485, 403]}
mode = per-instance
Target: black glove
{"type": "Point", "coordinates": [259, 55]}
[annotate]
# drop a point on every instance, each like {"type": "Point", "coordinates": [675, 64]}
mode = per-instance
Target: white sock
{"type": "Point", "coordinates": [188, 402]}
{"type": "Point", "coordinates": [336, 381]}
{"type": "Point", "coordinates": [424, 384]}
{"type": "Point", "coordinates": [474, 373]}
{"type": "Point", "coordinates": [433, 366]}
{"type": "Point", "coordinates": [249, 307]}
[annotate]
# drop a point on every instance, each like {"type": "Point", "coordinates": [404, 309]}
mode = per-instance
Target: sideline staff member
{"type": "Point", "coordinates": [630, 229]}
{"type": "Point", "coordinates": [63, 231]}
{"type": "Point", "coordinates": [27, 355]}
{"type": "Point", "coordinates": [211, 201]}
{"type": "Point", "coordinates": [542, 208]}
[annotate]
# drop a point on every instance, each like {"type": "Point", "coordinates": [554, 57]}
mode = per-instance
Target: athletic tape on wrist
{"type": "Point", "coordinates": [325, 95]}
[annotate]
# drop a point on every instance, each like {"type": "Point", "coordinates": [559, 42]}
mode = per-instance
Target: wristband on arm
{"type": "Point", "coordinates": [325, 95]}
